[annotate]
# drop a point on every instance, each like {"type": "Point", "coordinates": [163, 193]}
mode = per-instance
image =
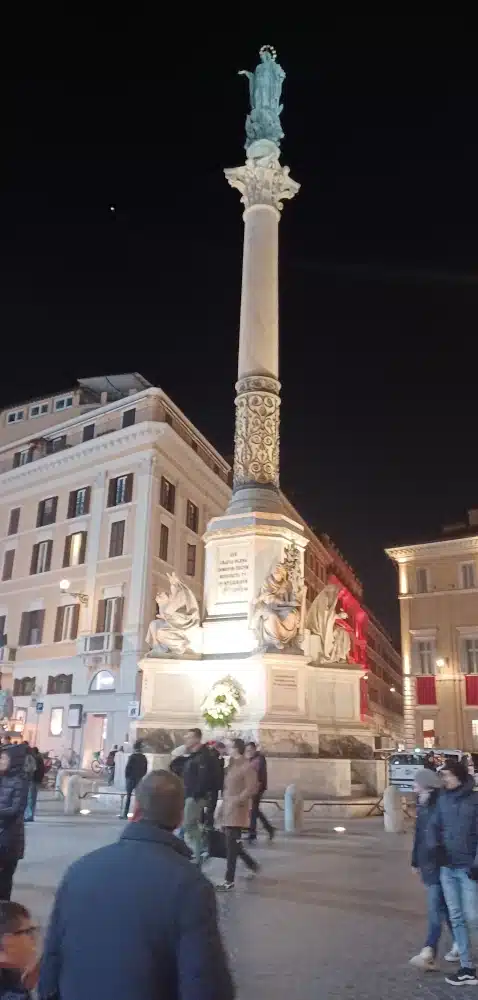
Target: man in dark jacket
{"type": "Point", "coordinates": [135, 770]}
{"type": "Point", "coordinates": [428, 786]}
{"type": "Point", "coordinates": [13, 799]}
{"type": "Point", "coordinates": [259, 763]}
{"type": "Point", "coordinates": [153, 912]}
{"type": "Point", "coordinates": [200, 780]}
{"type": "Point", "coordinates": [217, 750]}
{"type": "Point", "coordinates": [454, 838]}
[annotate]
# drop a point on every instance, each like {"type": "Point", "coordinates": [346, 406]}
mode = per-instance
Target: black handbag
{"type": "Point", "coordinates": [216, 844]}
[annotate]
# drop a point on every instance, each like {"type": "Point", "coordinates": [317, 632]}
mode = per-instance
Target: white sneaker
{"type": "Point", "coordinates": [453, 955]}
{"type": "Point", "coordinates": [425, 960]}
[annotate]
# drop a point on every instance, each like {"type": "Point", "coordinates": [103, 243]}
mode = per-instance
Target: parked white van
{"type": "Point", "coordinates": [403, 765]}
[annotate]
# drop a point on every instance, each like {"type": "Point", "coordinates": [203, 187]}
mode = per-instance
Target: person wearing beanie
{"type": "Point", "coordinates": [427, 786]}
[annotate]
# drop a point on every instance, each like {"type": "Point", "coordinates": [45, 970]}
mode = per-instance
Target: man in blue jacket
{"type": "Point", "coordinates": [454, 838]}
{"type": "Point", "coordinates": [428, 786]}
{"type": "Point", "coordinates": [136, 918]}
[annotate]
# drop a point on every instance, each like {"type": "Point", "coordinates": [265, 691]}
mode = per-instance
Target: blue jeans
{"type": "Point", "coordinates": [193, 827]}
{"type": "Point", "coordinates": [437, 915]}
{"type": "Point", "coordinates": [31, 802]}
{"type": "Point", "coordinates": [461, 896]}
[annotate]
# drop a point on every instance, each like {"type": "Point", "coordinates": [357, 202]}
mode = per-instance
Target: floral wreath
{"type": "Point", "coordinates": [223, 703]}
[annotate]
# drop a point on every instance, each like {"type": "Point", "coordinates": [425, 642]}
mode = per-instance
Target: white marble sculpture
{"type": "Point", "coordinates": [178, 612]}
{"type": "Point", "coordinates": [322, 620]}
{"type": "Point", "coordinates": [278, 611]}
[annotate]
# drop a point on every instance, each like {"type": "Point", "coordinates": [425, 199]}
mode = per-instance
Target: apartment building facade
{"type": "Point", "coordinates": [438, 595]}
{"type": "Point", "coordinates": [104, 490]}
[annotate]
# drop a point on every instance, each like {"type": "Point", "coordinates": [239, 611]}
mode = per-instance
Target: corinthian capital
{"type": "Point", "coordinates": [263, 181]}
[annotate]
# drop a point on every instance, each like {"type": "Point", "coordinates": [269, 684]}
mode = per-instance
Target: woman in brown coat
{"type": "Point", "coordinates": [240, 784]}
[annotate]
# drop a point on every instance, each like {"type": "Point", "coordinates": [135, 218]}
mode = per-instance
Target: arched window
{"type": "Point", "coordinates": [104, 680]}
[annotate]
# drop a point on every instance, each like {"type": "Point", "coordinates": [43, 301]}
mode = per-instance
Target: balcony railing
{"type": "Point", "coordinates": [102, 642]}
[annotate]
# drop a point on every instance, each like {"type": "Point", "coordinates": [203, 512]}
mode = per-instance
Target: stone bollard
{"type": "Point", "coordinates": [72, 795]}
{"type": "Point", "coordinates": [393, 818]}
{"type": "Point", "coordinates": [293, 809]}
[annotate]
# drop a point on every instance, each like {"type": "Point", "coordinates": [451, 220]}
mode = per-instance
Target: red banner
{"type": "Point", "coordinates": [426, 691]}
{"type": "Point", "coordinates": [471, 681]}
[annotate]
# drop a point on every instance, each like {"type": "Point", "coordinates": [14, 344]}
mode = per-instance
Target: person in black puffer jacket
{"type": "Point", "coordinates": [13, 799]}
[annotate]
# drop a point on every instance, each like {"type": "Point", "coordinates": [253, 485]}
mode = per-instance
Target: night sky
{"type": "Point", "coordinates": [379, 279]}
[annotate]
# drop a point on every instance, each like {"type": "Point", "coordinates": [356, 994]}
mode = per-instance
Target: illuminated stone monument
{"type": "Point", "coordinates": [253, 629]}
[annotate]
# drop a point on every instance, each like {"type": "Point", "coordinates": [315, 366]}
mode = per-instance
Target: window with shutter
{"type": "Point", "coordinates": [116, 539]}
{"type": "Point", "coordinates": [113, 614]}
{"type": "Point", "coordinates": [8, 561]}
{"type": "Point", "coordinates": [167, 495]}
{"type": "Point", "coordinates": [468, 577]}
{"type": "Point", "coordinates": [129, 488]}
{"type": "Point", "coordinates": [31, 628]}
{"type": "Point", "coordinates": [129, 417]}
{"type": "Point", "coordinates": [192, 516]}
{"type": "Point", "coordinates": [75, 618]}
{"type": "Point", "coordinates": [469, 655]}
{"type": "Point", "coordinates": [100, 618]}
{"type": "Point", "coordinates": [66, 625]}
{"type": "Point", "coordinates": [75, 548]}
{"type": "Point", "coordinates": [111, 493]}
{"type": "Point", "coordinates": [191, 560]}
{"type": "Point", "coordinates": [79, 502]}
{"type": "Point", "coordinates": [56, 444]}
{"type": "Point", "coordinates": [36, 628]}
{"type": "Point", "coordinates": [41, 557]}
{"type": "Point", "coordinates": [34, 558]}
{"type": "Point", "coordinates": [24, 686]}
{"type": "Point", "coordinates": [66, 551]}
{"type": "Point", "coordinates": [22, 638]}
{"type": "Point", "coordinates": [14, 521]}
{"type": "Point", "coordinates": [164, 542]}
{"type": "Point", "coordinates": [58, 633]}
{"type": "Point", "coordinates": [60, 684]}
{"type": "Point", "coordinates": [47, 511]}
{"type": "Point", "coordinates": [120, 490]}
{"type": "Point", "coordinates": [118, 615]}
{"type": "Point", "coordinates": [49, 555]}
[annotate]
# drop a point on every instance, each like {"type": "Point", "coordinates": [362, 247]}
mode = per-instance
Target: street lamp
{"type": "Point", "coordinates": [65, 587]}
{"type": "Point", "coordinates": [392, 690]}
{"type": "Point", "coordinates": [440, 662]}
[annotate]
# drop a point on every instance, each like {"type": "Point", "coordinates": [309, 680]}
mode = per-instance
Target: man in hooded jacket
{"type": "Point", "coordinates": [13, 799]}
{"type": "Point", "coordinates": [453, 837]}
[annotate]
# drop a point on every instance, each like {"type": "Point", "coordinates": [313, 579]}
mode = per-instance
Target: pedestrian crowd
{"type": "Point", "coordinates": [445, 854]}
{"type": "Point", "coordinates": [170, 947]}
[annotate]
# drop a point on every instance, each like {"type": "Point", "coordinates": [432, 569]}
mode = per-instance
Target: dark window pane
{"type": "Point", "coordinates": [88, 432]}
{"type": "Point", "coordinates": [164, 542]}
{"type": "Point", "coordinates": [168, 495]}
{"type": "Point", "coordinates": [129, 417]}
{"type": "Point", "coordinates": [191, 560]}
{"type": "Point", "coordinates": [14, 521]}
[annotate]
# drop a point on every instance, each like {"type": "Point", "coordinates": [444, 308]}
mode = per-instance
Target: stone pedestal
{"type": "Point", "coordinates": [290, 706]}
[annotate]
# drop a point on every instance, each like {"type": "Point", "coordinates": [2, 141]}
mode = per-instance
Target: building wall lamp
{"type": "Point", "coordinates": [65, 589]}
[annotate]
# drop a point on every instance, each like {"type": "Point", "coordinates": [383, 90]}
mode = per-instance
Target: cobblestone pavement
{"type": "Point", "coordinates": [331, 915]}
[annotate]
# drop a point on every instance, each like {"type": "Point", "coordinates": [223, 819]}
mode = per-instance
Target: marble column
{"type": "Point", "coordinates": [263, 183]}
